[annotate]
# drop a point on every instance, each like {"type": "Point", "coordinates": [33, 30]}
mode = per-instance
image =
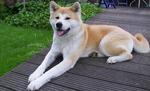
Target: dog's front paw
{"type": "Point", "coordinates": [34, 85]}
{"type": "Point", "coordinates": [111, 60]}
{"type": "Point", "coordinates": [34, 76]}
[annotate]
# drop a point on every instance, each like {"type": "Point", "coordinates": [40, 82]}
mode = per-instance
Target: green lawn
{"type": "Point", "coordinates": [19, 44]}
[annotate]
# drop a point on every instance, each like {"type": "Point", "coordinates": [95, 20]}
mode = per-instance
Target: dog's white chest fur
{"type": "Point", "coordinates": [68, 43]}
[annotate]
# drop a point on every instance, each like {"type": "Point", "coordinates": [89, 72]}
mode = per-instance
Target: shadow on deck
{"type": "Point", "coordinates": [93, 74]}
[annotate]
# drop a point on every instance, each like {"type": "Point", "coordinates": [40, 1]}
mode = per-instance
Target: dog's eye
{"type": "Point", "coordinates": [57, 17]}
{"type": "Point", "coordinates": [67, 18]}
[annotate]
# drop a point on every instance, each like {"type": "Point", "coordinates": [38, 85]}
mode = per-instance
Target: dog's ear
{"type": "Point", "coordinates": [53, 6]}
{"type": "Point", "coordinates": [76, 7]}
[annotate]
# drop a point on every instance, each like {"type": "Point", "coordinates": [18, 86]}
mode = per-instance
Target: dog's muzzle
{"type": "Point", "coordinates": [61, 32]}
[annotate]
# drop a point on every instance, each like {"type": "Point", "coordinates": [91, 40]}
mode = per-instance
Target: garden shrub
{"type": "Point", "coordinates": [36, 14]}
{"type": "Point", "coordinates": [89, 10]}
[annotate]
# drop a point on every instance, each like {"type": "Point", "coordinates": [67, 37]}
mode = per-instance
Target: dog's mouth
{"type": "Point", "coordinates": [61, 32]}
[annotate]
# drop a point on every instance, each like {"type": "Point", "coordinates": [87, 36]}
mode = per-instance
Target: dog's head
{"type": "Point", "coordinates": [65, 20]}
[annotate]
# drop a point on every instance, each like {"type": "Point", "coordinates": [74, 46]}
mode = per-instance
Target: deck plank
{"type": "Point", "coordinates": [100, 73]}
{"type": "Point", "coordinates": [141, 64]}
{"type": "Point", "coordinates": [19, 82]}
{"type": "Point", "coordinates": [5, 89]}
{"type": "Point", "coordinates": [83, 83]}
{"type": "Point", "coordinates": [88, 84]}
{"type": "Point", "coordinates": [137, 58]}
{"type": "Point", "coordinates": [123, 66]}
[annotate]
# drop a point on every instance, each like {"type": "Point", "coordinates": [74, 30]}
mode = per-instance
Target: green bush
{"type": "Point", "coordinates": [89, 10]}
{"type": "Point", "coordinates": [36, 14]}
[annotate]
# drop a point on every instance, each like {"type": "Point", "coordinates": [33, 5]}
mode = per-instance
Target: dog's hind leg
{"type": "Point", "coordinates": [116, 47]}
{"type": "Point", "coordinates": [122, 54]}
{"type": "Point", "coordinates": [120, 58]}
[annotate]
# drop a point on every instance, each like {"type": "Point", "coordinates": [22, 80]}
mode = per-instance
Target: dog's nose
{"type": "Point", "coordinates": [59, 25]}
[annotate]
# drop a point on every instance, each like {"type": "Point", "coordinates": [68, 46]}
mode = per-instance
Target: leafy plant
{"type": "Point", "coordinates": [36, 14]}
{"type": "Point", "coordinates": [89, 10]}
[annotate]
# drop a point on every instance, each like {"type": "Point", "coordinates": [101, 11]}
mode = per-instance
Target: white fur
{"type": "Point", "coordinates": [115, 59]}
{"type": "Point", "coordinates": [87, 52]}
{"type": "Point", "coordinates": [50, 57]}
{"type": "Point", "coordinates": [68, 45]}
{"type": "Point", "coordinates": [65, 23]}
{"type": "Point", "coordinates": [102, 47]}
{"type": "Point", "coordinates": [74, 25]}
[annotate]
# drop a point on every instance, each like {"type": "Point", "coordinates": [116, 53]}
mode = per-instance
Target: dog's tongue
{"type": "Point", "coordinates": [60, 33]}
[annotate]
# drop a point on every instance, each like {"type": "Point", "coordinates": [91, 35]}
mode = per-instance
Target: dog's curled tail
{"type": "Point", "coordinates": [141, 44]}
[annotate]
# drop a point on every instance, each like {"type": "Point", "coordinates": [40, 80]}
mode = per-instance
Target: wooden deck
{"type": "Point", "coordinates": [93, 74]}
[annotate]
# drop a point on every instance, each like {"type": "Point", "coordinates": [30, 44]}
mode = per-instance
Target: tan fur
{"type": "Point", "coordinates": [95, 33]}
{"type": "Point", "coordinates": [117, 40]}
{"type": "Point", "coordinates": [141, 44]}
{"type": "Point", "coordinates": [115, 36]}
{"type": "Point", "coordinates": [82, 39]}
{"type": "Point", "coordinates": [64, 10]}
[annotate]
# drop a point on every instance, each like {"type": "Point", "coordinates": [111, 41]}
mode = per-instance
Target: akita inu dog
{"type": "Point", "coordinates": [74, 39]}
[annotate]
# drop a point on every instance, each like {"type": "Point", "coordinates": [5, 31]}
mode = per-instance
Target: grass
{"type": "Point", "coordinates": [19, 44]}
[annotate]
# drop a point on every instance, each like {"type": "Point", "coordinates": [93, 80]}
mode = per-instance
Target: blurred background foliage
{"type": "Point", "coordinates": [35, 13]}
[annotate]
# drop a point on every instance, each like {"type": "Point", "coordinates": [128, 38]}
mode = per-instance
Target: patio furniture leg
{"type": "Point", "coordinates": [104, 2]}
{"type": "Point", "coordinates": [139, 3]}
{"type": "Point", "coordinates": [113, 4]}
{"type": "Point", "coordinates": [145, 2]}
{"type": "Point", "coordinates": [132, 2]}
{"type": "Point", "coordinates": [106, 5]}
